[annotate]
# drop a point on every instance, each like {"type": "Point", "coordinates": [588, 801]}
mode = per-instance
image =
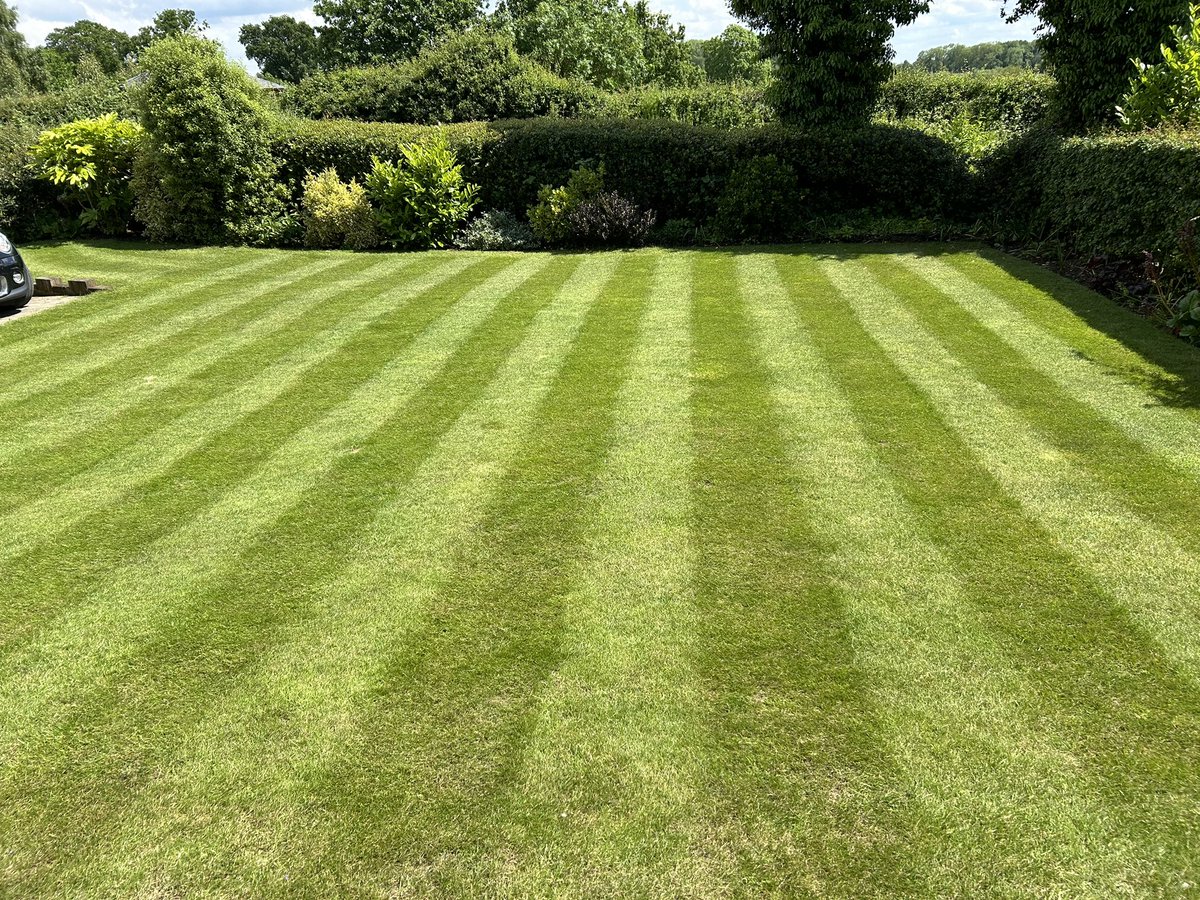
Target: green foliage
{"type": "Point", "coordinates": [735, 57]}
{"type": "Point", "coordinates": [1001, 100]}
{"type": "Point", "coordinates": [91, 163]}
{"type": "Point", "coordinates": [283, 47]}
{"type": "Point", "coordinates": [831, 56]}
{"type": "Point", "coordinates": [366, 32]}
{"type": "Point", "coordinates": [1088, 45]}
{"type": "Point", "coordinates": [93, 94]}
{"type": "Point", "coordinates": [1169, 91]}
{"type": "Point", "coordinates": [977, 57]}
{"type": "Point", "coordinates": [170, 23]}
{"type": "Point", "coordinates": [1184, 319]}
{"type": "Point", "coordinates": [423, 199]}
{"type": "Point", "coordinates": [608, 43]}
{"type": "Point", "coordinates": [549, 217]}
{"type": "Point", "coordinates": [26, 202]}
{"type": "Point", "coordinates": [107, 46]}
{"type": "Point", "coordinates": [496, 229]}
{"type": "Point", "coordinates": [716, 105]}
{"type": "Point", "coordinates": [337, 214]}
{"type": "Point", "coordinates": [762, 201]}
{"type": "Point", "coordinates": [206, 174]}
{"type": "Point", "coordinates": [609, 220]}
{"type": "Point", "coordinates": [470, 77]}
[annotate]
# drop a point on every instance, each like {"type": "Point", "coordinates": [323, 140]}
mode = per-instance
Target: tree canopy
{"type": "Point", "coordinates": [283, 47]}
{"type": "Point", "coordinates": [973, 57]}
{"type": "Point", "coordinates": [107, 46]}
{"type": "Point", "coordinates": [358, 32]}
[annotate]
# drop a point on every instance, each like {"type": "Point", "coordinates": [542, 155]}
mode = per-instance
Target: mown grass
{"type": "Point", "coordinates": [823, 571]}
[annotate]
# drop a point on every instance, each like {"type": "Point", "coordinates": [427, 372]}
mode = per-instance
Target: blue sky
{"type": "Point", "coordinates": [948, 22]}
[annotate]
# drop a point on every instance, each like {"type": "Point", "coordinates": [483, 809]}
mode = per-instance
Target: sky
{"type": "Point", "coordinates": [947, 22]}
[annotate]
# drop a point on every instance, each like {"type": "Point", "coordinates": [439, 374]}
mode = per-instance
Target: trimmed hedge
{"type": "Point", "coordinates": [680, 171]}
{"type": "Point", "coordinates": [1001, 99]}
{"type": "Point", "coordinates": [717, 105]}
{"type": "Point", "coordinates": [1109, 193]}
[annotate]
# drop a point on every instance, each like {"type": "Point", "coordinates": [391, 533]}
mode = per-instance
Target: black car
{"type": "Point", "coordinates": [16, 287]}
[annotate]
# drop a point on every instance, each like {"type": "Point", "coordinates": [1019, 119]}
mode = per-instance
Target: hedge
{"type": "Point", "coordinates": [1005, 99]}
{"type": "Point", "coordinates": [678, 170]}
{"type": "Point", "coordinates": [717, 105]}
{"type": "Point", "coordinates": [1105, 193]}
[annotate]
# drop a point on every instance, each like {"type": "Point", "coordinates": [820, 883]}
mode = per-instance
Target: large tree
{"type": "Point", "coordinates": [12, 52]}
{"type": "Point", "coordinates": [831, 56]}
{"type": "Point", "coordinates": [379, 31]}
{"type": "Point", "coordinates": [170, 23]}
{"type": "Point", "coordinates": [1089, 45]}
{"type": "Point", "coordinates": [107, 46]}
{"type": "Point", "coordinates": [735, 55]}
{"type": "Point", "coordinates": [283, 47]}
{"type": "Point", "coordinates": [973, 57]}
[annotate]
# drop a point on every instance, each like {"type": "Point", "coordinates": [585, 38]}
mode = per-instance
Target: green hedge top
{"type": "Point", "coordinates": [1012, 99]}
{"type": "Point", "coordinates": [676, 169]}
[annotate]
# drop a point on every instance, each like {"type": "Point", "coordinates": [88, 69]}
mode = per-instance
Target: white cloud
{"type": "Point", "coordinates": [947, 22]}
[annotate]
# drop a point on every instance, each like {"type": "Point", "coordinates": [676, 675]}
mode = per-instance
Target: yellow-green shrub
{"type": "Point", "coordinates": [337, 214]}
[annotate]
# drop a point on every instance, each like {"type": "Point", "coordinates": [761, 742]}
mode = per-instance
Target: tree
{"type": "Point", "coordinates": [735, 55]}
{"type": "Point", "coordinates": [107, 46]}
{"type": "Point", "coordinates": [283, 47]}
{"type": "Point", "coordinates": [1089, 43]}
{"type": "Point", "coordinates": [973, 57]}
{"type": "Point", "coordinates": [830, 56]}
{"type": "Point", "coordinates": [358, 32]}
{"type": "Point", "coordinates": [608, 43]}
{"type": "Point", "coordinates": [169, 23]}
{"type": "Point", "coordinates": [12, 52]}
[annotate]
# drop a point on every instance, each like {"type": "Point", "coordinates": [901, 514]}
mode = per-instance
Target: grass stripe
{"type": "Point", "coordinates": [1150, 574]}
{"type": "Point", "coordinates": [965, 728]}
{"type": "Point", "coordinates": [44, 674]}
{"type": "Point", "coordinates": [329, 669]}
{"type": "Point", "coordinates": [46, 430]}
{"type": "Point", "coordinates": [803, 797]}
{"type": "Point", "coordinates": [211, 649]}
{"type": "Point", "coordinates": [1163, 430]}
{"type": "Point", "coordinates": [1150, 484]}
{"type": "Point", "coordinates": [609, 780]}
{"type": "Point", "coordinates": [46, 516]}
{"type": "Point", "coordinates": [103, 316]}
{"type": "Point", "coordinates": [62, 367]}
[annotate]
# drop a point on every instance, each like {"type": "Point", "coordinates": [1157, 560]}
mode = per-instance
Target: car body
{"type": "Point", "coordinates": [16, 284]}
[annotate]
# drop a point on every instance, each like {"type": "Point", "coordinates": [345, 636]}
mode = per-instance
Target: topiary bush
{"type": "Point", "coordinates": [423, 199]}
{"type": "Point", "coordinates": [206, 174]}
{"type": "Point", "coordinates": [337, 214]}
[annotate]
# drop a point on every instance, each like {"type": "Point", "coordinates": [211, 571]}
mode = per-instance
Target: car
{"type": "Point", "coordinates": [16, 285]}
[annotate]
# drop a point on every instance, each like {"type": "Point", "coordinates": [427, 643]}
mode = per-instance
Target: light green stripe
{"type": "Point", "coordinates": [1151, 575]}
{"type": "Point", "coordinates": [224, 302]}
{"type": "Point", "coordinates": [42, 676]}
{"type": "Point", "coordinates": [621, 711]}
{"type": "Point", "coordinates": [103, 485]}
{"type": "Point", "coordinates": [964, 727]}
{"type": "Point", "coordinates": [119, 306]}
{"type": "Point", "coordinates": [1165, 431]}
{"type": "Point", "coordinates": [324, 669]}
{"type": "Point", "coordinates": [40, 434]}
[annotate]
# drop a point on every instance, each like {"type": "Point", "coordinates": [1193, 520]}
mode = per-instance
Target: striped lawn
{"type": "Point", "coordinates": [821, 571]}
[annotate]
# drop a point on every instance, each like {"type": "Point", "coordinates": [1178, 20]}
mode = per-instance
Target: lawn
{"type": "Point", "coordinates": [830, 571]}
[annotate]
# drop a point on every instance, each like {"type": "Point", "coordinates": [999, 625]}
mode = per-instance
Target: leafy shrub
{"type": "Point", "coordinates": [496, 229]}
{"type": "Point", "coordinates": [92, 95]}
{"type": "Point", "coordinates": [1003, 99]}
{"type": "Point", "coordinates": [717, 105]}
{"type": "Point", "coordinates": [206, 174]}
{"type": "Point", "coordinates": [550, 217]}
{"type": "Point", "coordinates": [608, 220]}
{"type": "Point", "coordinates": [761, 201]}
{"type": "Point", "coordinates": [337, 214]}
{"type": "Point", "coordinates": [473, 76]}
{"type": "Point", "coordinates": [91, 162]}
{"type": "Point", "coordinates": [678, 233]}
{"type": "Point", "coordinates": [28, 207]}
{"type": "Point", "coordinates": [1169, 91]}
{"type": "Point", "coordinates": [422, 199]}
{"type": "Point", "coordinates": [1185, 317]}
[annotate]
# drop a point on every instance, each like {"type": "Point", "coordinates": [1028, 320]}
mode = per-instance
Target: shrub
{"type": "Point", "coordinates": [28, 207]}
{"type": "Point", "coordinates": [1169, 91]}
{"type": "Point", "coordinates": [1001, 99]}
{"type": "Point", "coordinates": [549, 218]}
{"type": "Point", "coordinates": [496, 229]}
{"type": "Point", "coordinates": [94, 94]}
{"type": "Point", "coordinates": [717, 105]}
{"type": "Point", "coordinates": [608, 220]}
{"type": "Point", "coordinates": [761, 201]}
{"type": "Point", "coordinates": [423, 199]}
{"type": "Point", "coordinates": [473, 76]}
{"type": "Point", "coordinates": [91, 162]}
{"type": "Point", "coordinates": [206, 174]}
{"type": "Point", "coordinates": [337, 214]}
